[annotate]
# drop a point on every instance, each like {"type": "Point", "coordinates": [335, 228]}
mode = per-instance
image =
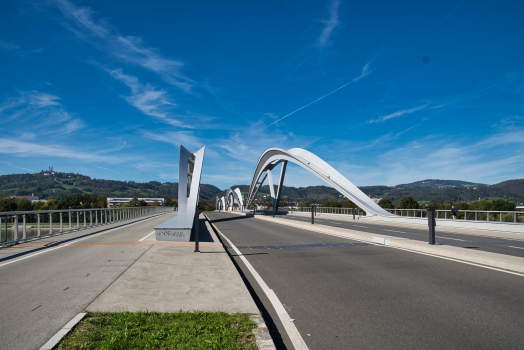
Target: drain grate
{"type": "Point", "coordinates": [299, 246]}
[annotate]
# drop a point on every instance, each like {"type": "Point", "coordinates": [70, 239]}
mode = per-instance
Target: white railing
{"type": "Point", "coordinates": [36, 224]}
{"type": "Point", "coordinates": [329, 210]}
{"type": "Point", "coordinates": [470, 215]}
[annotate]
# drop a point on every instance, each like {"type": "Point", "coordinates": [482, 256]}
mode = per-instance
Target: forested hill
{"type": "Point", "coordinates": [441, 190]}
{"type": "Point", "coordinates": [60, 185]}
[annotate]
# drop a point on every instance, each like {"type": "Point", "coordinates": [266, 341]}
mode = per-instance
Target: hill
{"type": "Point", "coordinates": [57, 185]}
{"type": "Point", "coordinates": [441, 190]}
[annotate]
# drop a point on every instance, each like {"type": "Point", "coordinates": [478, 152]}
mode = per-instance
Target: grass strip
{"type": "Point", "coordinates": [153, 330]}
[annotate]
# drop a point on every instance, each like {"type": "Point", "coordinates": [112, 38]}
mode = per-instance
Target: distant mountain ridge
{"type": "Point", "coordinates": [425, 190]}
{"type": "Point", "coordinates": [58, 185]}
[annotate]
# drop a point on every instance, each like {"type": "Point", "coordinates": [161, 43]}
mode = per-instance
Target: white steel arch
{"type": "Point", "coordinates": [233, 196]}
{"type": "Point", "coordinates": [307, 160]}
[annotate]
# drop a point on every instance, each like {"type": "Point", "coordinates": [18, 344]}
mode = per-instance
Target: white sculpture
{"type": "Point", "coordinates": [189, 174]}
{"type": "Point", "coordinates": [307, 160]}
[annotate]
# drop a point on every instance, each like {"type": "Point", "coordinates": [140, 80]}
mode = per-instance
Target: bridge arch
{"type": "Point", "coordinates": [307, 160]}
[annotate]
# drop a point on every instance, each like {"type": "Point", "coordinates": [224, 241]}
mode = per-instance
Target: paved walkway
{"type": "Point", "coordinates": [172, 277]}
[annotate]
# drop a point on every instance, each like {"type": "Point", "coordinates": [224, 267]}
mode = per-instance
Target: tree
{"type": "Point", "coordinates": [304, 204]}
{"type": "Point", "coordinates": [433, 203]}
{"type": "Point", "coordinates": [408, 203]}
{"type": "Point", "coordinates": [502, 205]}
{"type": "Point", "coordinates": [386, 203]}
{"type": "Point", "coordinates": [331, 204]}
{"type": "Point", "coordinates": [210, 207]}
{"type": "Point", "coordinates": [348, 204]}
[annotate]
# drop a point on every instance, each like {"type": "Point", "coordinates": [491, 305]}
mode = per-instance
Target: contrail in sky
{"type": "Point", "coordinates": [505, 81]}
{"type": "Point", "coordinates": [364, 73]}
{"type": "Point", "coordinates": [294, 70]}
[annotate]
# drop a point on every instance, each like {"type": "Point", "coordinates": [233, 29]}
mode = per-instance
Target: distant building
{"type": "Point", "coordinates": [118, 201]}
{"type": "Point", "coordinates": [31, 198]}
{"type": "Point", "coordinates": [376, 200]}
{"type": "Point", "coordinates": [520, 207]}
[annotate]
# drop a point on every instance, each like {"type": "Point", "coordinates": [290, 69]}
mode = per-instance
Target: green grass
{"type": "Point", "coordinates": [152, 330]}
{"type": "Point", "coordinates": [70, 187]}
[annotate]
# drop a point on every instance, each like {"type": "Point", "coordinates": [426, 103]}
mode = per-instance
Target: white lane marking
{"type": "Point", "coordinates": [78, 240]}
{"type": "Point", "coordinates": [453, 239]}
{"type": "Point", "coordinates": [460, 261]}
{"type": "Point", "coordinates": [140, 240]}
{"type": "Point", "coordinates": [361, 226]}
{"type": "Point", "coordinates": [61, 333]}
{"type": "Point", "coordinates": [291, 329]}
{"type": "Point", "coordinates": [515, 247]}
{"type": "Point", "coordinates": [336, 223]}
{"type": "Point", "coordinates": [394, 231]}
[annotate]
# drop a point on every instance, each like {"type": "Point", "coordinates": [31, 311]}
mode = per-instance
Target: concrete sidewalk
{"type": "Point", "coordinates": [170, 277]}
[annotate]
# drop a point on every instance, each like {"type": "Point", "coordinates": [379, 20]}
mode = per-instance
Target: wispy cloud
{"type": "Point", "coordinates": [396, 114]}
{"type": "Point", "coordinates": [177, 138]}
{"type": "Point", "coordinates": [19, 148]}
{"type": "Point", "coordinates": [6, 45]}
{"type": "Point", "coordinates": [330, 24]}
{"type": "Point", "coordinates": [39, 112]}
{"type": "Point", "coordinates": [365, 71]}
{"type": "Point", "coordinates": [148, 99]}
{"type": "Point", "coordinates": [130, 49]}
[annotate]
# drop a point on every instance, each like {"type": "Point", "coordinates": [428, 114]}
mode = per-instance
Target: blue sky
{"type": "Point", "coordinates": [386, 92]}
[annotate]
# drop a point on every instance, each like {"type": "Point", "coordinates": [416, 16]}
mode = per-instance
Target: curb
{"type": "Point", "coordinates": [264, 340]}
{"type": "Point", "coordinates": [61, 333]}
{"type": "Point", "coordinates": [509, 263]}
{"type": "Point", "coordinates": [262, 335]}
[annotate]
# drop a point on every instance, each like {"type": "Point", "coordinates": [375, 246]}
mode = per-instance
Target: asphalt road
{"type": "Point", "coordinates": [365, 296]}
{"type": "Point", "coordinates": [41, 293]}
{"type": "Point", "coordinates": [488, 244]}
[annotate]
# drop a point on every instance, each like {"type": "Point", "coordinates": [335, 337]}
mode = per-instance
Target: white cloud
{"type": "Point", "coordinates": [130, 49]}
{"type": "Point", "coordinates": [330, 24]}
{"type": "Point", "coordinates": [396, 114]}
{"type": "Point", "coordinates": [148, 99]}
{"type": "Point", "coordinates": [39, 112]}
{"type": "Point", "coordinates": [188, 139]}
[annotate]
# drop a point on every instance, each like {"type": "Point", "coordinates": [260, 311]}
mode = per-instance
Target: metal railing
{"type": "Point", "coordinates": [330, 210]}
{"type": "Point", "coordinates": [516, 217]}
{"type": "Point", "coordinates": [471, 215]}
{"type": "Point", "coordinates": [42, 223]}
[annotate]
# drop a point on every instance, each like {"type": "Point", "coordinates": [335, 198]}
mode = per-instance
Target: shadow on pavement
{"type": "Point", "coordinates": [275, 334]}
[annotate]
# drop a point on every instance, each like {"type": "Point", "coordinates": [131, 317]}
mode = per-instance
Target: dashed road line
{"type": "Point", "coordinates": [453, 239]}
{"type": "Point", "coordinates": [394, 231]}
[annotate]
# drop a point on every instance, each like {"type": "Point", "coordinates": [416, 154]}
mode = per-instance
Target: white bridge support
{"type": "Point", "coordinates": [227, 202]}
{"type": "Point", "coordinates": [189, 174]}
{"type": "Point", "coordinates": [307, 160]}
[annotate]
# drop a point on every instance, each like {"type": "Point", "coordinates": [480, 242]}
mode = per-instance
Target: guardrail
{"type": "Point", "coordinates": [471, 215]}
{"type": "Point", "coordinates": [36, 224]}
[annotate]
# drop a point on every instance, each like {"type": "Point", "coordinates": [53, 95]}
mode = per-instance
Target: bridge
{"type": "Point", "coordinates": [327, 279]}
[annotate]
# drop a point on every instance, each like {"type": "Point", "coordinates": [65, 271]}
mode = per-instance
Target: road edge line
{"type": "Point", "coordinates": [62, 332]}
{"type": "Point", "coordinates": [291, 330]}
